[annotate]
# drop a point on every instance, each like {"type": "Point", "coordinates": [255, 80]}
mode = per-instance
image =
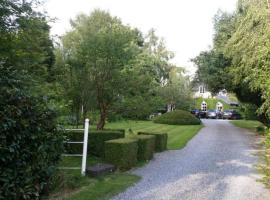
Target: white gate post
{"type": "Point", "coordinates": [85, 142]}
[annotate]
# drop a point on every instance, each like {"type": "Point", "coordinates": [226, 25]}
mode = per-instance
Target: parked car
{"type": "Point", "coordinates": [231, 114]}
{"type": "Point", "coordinates": [211, 114]}
{"type": "Point", "coordinates": [202, 114]}
{"type": "Point", "coordinates": [195, 112]}
{"type": "Point", "coordinates": [236, 104]}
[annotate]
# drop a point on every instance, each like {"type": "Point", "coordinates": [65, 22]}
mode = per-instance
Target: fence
{"type": "Point", "coordinates": [84, 143]}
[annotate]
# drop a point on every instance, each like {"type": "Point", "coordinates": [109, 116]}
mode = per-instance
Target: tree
{"type": "Point", "coordinates": [176, 91]}
{"type": "Point", "coordinates": [103, 48]}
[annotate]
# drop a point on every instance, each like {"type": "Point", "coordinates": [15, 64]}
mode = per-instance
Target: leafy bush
{"type": "Point", "coordinates": [146, 146]}
{"type": "Point", "coordinates": [178, 117]}
{"type": "Point", "coordinates": [122, 152]}
{"type": "Point", "coordinates": [160, 140]}
{"type": "Point", "coordinates": [30, 146]}
{"type": "Point", "coordinates": [96, 140]}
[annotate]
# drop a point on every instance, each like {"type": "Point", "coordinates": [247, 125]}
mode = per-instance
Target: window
{"type": "Point", "coordinates": [201, 89]}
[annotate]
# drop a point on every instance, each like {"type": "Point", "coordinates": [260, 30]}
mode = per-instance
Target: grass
{"type": "Point", "coordinates": [247, 124]}
{"type": "Point", "coordinates": [178, 136]}
{"type": "Point", "coordinates": [71, 185]}
{"type": "Point", "coordinates": [106, 187]}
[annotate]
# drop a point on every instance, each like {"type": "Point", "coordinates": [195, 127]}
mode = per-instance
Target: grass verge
{"type": "Point", "coordinates": [178, 135]}
{"type": "Point", "coordinates": [250, 125]}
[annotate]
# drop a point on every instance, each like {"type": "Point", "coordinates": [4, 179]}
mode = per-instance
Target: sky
{"type": "Point", "coordinates": [186, 25]}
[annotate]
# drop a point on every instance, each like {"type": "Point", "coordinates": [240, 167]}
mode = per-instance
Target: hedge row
{"type": "Point", "coordinates": [124, 153]}
{"type": "Point", "coordinates": [96, 140]}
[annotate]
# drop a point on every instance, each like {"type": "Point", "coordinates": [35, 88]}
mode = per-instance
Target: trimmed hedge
{"type": "Point", "coordinates": [146, 146]}
{"type": "Point", "coordinates": [122, 153]}
{"type": "Point", "coordinates": [177, 117]}
{"type": "Point", "coordinates": [160, 138]}
{"type": "Point", "coordinates": [96, 141]}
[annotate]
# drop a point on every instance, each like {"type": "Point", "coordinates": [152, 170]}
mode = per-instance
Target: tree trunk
{"type": "Point", "coordinates": [103, 116]}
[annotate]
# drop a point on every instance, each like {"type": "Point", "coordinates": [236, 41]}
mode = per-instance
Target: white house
{"type": "Point", "coordinates": [201, 91]}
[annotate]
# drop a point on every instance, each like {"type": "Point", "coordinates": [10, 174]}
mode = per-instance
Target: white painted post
{"type": "Point", "coordinates": [85, 142]}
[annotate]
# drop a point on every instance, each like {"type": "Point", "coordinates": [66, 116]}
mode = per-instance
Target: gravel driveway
{"type": "Point", "coordinates": [218, 163]}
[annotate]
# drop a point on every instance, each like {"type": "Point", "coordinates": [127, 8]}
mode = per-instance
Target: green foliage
{"type": "Point", "coordinates": [100, 47]}
{"type": "Point", "coordinates": [146, 146]}
{"type": "Point", "coordinates": [96, 140]}
{"type": "Point", "coordinates": [177, 117]}
{"type": "Point", "coordinates": [160, 138]}
{"type": "Point", "coordinates": [122, 153]}
{"type": "Point", "coordinates": [30, 145]}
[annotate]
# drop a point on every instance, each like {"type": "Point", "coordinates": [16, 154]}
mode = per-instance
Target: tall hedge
{"type": "Point", "coordinates": [96, 140]}
{"type": "Point", "coordinates": [30, 146]}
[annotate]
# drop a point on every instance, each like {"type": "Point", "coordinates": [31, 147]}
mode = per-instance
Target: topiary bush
{"type": "Point", "coordinates": [177, 117]}
{"type": "Point", "coordinates": [96, 140]}
{"type": "Point", "coordinates": [146, 146]}
{"type": "Point", "coordinates": [122, 153]}
{"type": "Point", "coordinates": [30, 145]}
{"type": "Point", "coordinates": [160, 140]}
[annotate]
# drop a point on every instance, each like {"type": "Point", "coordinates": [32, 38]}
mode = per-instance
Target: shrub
{"type": "Point", "coordinates": [96, 141]}
{"type": "Point", "coordinates": [146, 146]}
{"type": "Point", "coordinates": [160, 140]}
{"type": "Point", "coordinates": [178, 117]}
{"type": "Point", "coordinates": [122, 152]}
{"type": "Point", "coordinates": [30, 146]}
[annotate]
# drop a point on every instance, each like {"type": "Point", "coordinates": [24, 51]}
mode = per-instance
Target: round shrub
{"type": "Point", "coordinates": [177, 117]}
{"type": "Point", "coordinates": [30, 146]}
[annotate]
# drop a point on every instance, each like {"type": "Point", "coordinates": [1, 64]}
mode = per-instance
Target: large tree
{"type": "Point", "coordinates": [101, 47]}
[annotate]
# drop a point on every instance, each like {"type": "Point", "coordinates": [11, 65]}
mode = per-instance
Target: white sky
{"type": "Point", "coordinates": [186, 25]}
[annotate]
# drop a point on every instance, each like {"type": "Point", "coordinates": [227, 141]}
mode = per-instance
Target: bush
{"type": "Point", "coordinates": [160, 140]}
{"type": "Point", "coordinates": [96, 140]}
{"type": "Point", "coordinates": [178, 117]}
{"type": "Point", "coordinates": [146, 146]}
{"type": "Point", "coordinates": [30, 146]}
{"type": "Point", "coordinates": [122, 153]}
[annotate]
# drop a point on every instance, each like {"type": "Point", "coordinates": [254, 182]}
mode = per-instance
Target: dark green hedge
{"type": "Point", "coordinates": [30, 145]}
{"type": "Point", "coordinates": [146, 146]}
{"type": "Point", "coordinates": [122, 153]}
{"type": "Point", "coordinates": [160, 138]}
{"type": "Point", "coordinates": [177, 117]}
{"type": "Point", "coordinates": [96, 141]}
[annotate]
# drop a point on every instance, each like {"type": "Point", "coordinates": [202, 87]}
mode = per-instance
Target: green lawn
{"type": "Point", "coordinates": [248, 124]}
{"type": "Point", "coordinates": [178, 136]}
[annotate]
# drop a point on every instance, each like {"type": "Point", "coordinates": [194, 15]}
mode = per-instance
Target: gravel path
{"type": "Point", "coordinates": [218, 163]}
